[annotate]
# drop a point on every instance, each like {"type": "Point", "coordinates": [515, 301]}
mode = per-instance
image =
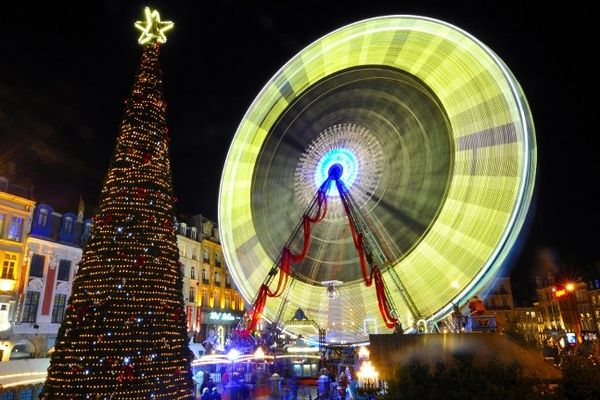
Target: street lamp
{"type": "Point", "coordinates": [570, 287]}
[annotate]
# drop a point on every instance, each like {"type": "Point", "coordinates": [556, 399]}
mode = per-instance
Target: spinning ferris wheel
{"type": "Point", "coordinates": [433, 141]}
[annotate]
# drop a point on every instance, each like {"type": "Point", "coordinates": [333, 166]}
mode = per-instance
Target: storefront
{"type": "Point", "coordinates": [216, 324]}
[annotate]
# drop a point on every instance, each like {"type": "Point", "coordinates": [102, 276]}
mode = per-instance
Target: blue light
{"type": "Point", "coordinates": [341, 156]}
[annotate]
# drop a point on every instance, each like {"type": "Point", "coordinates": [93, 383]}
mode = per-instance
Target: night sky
{"type": "Point", "coordinates": [65, 71]}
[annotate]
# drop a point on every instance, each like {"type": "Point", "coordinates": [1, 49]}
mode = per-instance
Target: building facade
{"type": "Point", "coordinates": [53, 252]}
{"type": "Point", "coordinates": [213, 305]}
{"type": "Point", "coordinates": [499, 300]}
{"type": "Point", "coordinates": [15, 219]}
{"type": "Point", "coordinates": [566, 309]}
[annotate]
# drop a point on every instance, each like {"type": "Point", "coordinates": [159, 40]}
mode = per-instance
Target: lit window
{"type": "Point", "coordinates": [8, 266]}
{"type": "Point", "coordinates": [8, 395]}
{"type": "Point", "coordinates": [14, 230]}
{"type": "Point", "coordinates": [26, 394]}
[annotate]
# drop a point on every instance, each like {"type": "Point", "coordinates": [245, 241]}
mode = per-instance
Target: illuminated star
{"type": "Point", "coordinates": [153, 29]}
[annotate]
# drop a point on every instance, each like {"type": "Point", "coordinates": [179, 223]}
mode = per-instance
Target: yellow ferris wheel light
{"type": "Point", "coordinates": [153, 29]}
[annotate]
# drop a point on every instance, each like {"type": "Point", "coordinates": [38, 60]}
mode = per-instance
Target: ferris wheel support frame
{"type": "Point", "coordinates": [373, 252]}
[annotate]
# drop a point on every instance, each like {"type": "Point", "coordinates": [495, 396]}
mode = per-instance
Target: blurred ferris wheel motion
{"type": "Point", "coordinates": [432, 140]}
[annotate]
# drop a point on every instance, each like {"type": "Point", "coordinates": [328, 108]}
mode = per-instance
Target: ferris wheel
{"type": "Point", "coordinates": [432, 140]}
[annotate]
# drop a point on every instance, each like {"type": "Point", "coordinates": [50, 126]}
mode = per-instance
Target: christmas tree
{"type": "Point", "coordinates": [124, 334]}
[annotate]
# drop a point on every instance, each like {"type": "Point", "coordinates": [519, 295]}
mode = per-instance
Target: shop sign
{"type": "Point", "coordinates": [221, 316]}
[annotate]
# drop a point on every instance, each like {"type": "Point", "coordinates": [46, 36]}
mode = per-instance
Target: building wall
{"type": "Point", "coordinates": [213, 304]}
{"type": "Point", "coordinates": [561, 310]}
{"type": "Point", "coordinates": [499, 300]}
{"type": "Point", "coordinates": [15, 221]}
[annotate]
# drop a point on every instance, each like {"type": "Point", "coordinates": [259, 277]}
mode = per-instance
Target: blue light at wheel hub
{"type": "Point", "coordinates": [347, 164]}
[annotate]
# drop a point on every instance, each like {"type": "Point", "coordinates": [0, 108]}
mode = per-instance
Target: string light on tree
{"type": "Point", "coordinates": [124, 333]}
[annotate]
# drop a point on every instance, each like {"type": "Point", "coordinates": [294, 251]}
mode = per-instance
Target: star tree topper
{"type": "Point", "coordinates": [153, 29]}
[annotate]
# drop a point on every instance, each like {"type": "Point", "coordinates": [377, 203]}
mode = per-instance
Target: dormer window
{"type": "Point", "coordinates": [42, 217]}
{"type": "Point", "coordinates": [68, 224]}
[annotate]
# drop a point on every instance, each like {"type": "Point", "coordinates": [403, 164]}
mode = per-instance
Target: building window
{"type": "Point", "coordinates": [43, 217]}
{"type": "Point", "coordinates": [64, 270]}
{"type": "Point", "coordinates": [218, 260]}
{"type": "Point", "coordinates": [217, 278]}
{"type": "Point", "coordinates": [8, 266]}
{"type": "Point", "coordinates": [217, 299]}
{"type": "Point", "coordinates": [68, 224]}
{"type": "Point", "coordinates": [205, 256]}
{"type": "Point", "coordinates": [192, 297]}
{"type": "Point", "coordinates": [193, 273]}
{"type": "Point", "coordinates": [8, 395]}
{"type": "Point", "coordinates": [193, 233]}
{"type": "Point", "coordinates": [26, 394]}
{"type": "Point", "coordinates": [204, 298]}
{"type": "Point", "coordinates": [30, 306]}
{"type": "Point", "coordinates": [14, 230]}
{"type": "Point", "coordinates": [36, 268]}
{"type": "Point", "coordinates": [205, 274]}
{"type": "Point", "coordinates": [1, 225]}
{"type": "Point", "coordinates": [58, 309]}
{"type": "Point", "coordinates": [227, 301]}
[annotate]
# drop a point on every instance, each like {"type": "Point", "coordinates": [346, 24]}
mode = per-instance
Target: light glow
{"type": "Point", "coordinates": [153, 29]}
{"type": "Point", "coordinates": [492, 175]}
{"type": "Point", "coordinates": [341, 156]}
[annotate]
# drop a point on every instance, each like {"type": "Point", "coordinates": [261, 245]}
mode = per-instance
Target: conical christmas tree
{"type": "Point", "coordinates": [124, 334]}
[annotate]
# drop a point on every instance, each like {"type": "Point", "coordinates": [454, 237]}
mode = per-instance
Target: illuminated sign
{"type": "Point", "coordinates": [560, 293]}
{"type": "Point", "coordinates": [217, 316]}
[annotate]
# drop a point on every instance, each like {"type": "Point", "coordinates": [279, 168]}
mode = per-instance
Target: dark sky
{"type": "Point", "coordinates": [66, 69]}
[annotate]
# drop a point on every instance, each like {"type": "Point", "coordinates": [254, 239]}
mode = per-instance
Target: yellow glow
{"type": "Point", "coordinates": [367, 375]}
{"type": "Point", "coordinates": [259, 353]}
{"type": "Point", "coordinates": [363, 352]}
{"type": "Point", "coordinates": [493, 167]}
{"type": "Point", "coordinates": [302, 349]}
{"type": "Point", "coordinates": [153, 29]}
{"type": "Point", "coordinates": [7, 285]}
{"type": "Point", "coordinates": [570, 287]}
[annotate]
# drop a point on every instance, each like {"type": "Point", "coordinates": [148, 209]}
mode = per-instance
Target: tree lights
{"type": "Point", "coordinates": [153, 29]}
{"type": "Point", "coordinates": [124, 334]}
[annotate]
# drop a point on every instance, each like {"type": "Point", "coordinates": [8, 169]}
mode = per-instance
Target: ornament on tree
{"type": "Point", "coordinates": [127, 373]}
